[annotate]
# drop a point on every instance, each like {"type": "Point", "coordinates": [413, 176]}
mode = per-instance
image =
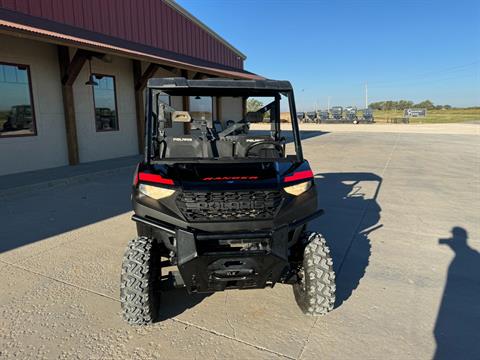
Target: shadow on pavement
{"type": "Point", "coordinates": [457, 329]}
{"type": "Point", "coordinates": [350, 216]}
{"type": "Point", "coordinates": [175, 301]}
{"type": "Point", "coordinates": [41, 215]}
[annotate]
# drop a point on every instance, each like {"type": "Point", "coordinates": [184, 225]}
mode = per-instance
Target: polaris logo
{"type": "Point", "coordinates": [229, 205]}
{"type": "Point", "coordinates": [253, 140]}
{"type": "Point", "coordinates": [182, 139]}
{"type": "Point", "coordinates": [227, 178]}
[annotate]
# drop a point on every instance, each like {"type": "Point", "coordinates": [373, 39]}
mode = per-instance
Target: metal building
{"type": "Point", "coordinates": [72, 75]}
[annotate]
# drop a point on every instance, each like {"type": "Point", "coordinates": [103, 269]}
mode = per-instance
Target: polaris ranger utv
{"type": "Point", "coordinates": [310, 117]}
{"type": "Point", "coordinates": [368, 115]}
{"type": "Point", "coordinates": [323, 115]}
{"type": "Point", "coordinates": [337, 112]}
{"type": "Point", "coordinates": [301, 116]}
{"type": "Point", "coordinates": [351, 114]}
{"type": "Point", "coordinates": [227, 206]}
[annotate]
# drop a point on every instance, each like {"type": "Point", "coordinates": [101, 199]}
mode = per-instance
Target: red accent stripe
{"type": "Point", "coordinates": [299, 175]}
{"type": "Point", "coordinates": [154, 178]}
{"type": "Point", "coordinates": [228, 178]}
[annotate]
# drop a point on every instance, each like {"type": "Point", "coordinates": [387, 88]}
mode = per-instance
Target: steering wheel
{"type": "Point", "coordinates": [275, 144]}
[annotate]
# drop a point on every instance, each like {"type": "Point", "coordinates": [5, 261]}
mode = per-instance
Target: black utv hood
{"type": "Point", "coordinates": [226, 176]}
{"type": "Point", "coordinates": [196, 175]}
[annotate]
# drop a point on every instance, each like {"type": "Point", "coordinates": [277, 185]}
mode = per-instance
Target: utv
{"type": "Point", "coordinates": [337, 112]}
{"type": "Point", "coordinates": [323, 115]}
{"type": "Point", "coordinates": [351, 114]}
{"type": "Point", "coordinates": [311, 117]}
{"type": "Point", "coordinates": [301, 116]}
{"type": "Point", "coordinates": [368, 115]}
{"type": "Point", "coordinates": [19, 118]}
{"type": "Point", "coordinates": [228, 209]}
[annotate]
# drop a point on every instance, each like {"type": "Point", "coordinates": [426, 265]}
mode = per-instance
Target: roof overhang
{"type": "Point", "coordinates": [220, 87]}
{"type": "Point", "coordinates": [41, 34]}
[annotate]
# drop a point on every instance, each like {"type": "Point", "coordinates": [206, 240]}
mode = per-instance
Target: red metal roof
{"type": "Point", "coordinates": [76, 41]}
{"type": "Point", "coordinates": [161, 25]}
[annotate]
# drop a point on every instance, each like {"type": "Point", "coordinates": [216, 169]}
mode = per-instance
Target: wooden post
{"type": "Point", "coordinates": [69, 71]}
{"type": "Point", "coordinates": [70, 124]}
{"type": "Point", "coordinates": [140, 82]}
{"type": "Point", "coordinates": [186, 105]}
{"type": "Point", "coordinates": [218, 108]}
{"type": "Point", "coordinates": [140, 112]}
{"type": "Point", "coordinates": [139, 106]}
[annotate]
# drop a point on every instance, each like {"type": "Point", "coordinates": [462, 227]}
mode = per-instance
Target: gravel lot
{"type": "Point", "coordinates": [390, 195]}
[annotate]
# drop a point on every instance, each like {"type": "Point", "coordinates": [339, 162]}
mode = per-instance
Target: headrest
{"type": "Point", "coordinates": [181, 116]}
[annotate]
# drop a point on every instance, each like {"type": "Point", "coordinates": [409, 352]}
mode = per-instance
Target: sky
{"type": "Point", "coordinates": [403, 49]}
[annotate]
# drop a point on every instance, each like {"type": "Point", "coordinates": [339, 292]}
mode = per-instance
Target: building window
{"type": "Point", "coordinates": [105, 101]}
{"type": "Point", "coordinates": [17, 116]}
{"type": "Point", "coordinates": [201, 107]}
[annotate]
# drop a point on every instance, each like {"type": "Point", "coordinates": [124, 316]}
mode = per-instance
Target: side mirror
{"type": "Point", "coordinates": [181, 116]}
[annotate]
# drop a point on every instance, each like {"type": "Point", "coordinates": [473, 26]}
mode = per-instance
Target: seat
{"type": "Point", "coordinates": [244, 142]}
{"type": "Point", "coordinates": [186, 146]}
{"type": "Point", "coordinates": [225, 148]}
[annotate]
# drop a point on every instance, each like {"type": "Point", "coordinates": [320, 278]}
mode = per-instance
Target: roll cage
{"type": "Point", "coordinates": [156, 122]}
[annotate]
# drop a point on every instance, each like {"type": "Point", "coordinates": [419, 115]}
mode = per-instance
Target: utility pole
{"type": "Point", "coordinates": [328, 103]}
{"type": "Point", "coordinates": [366, 95]}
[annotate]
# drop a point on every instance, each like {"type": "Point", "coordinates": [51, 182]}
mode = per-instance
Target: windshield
{"type": "Point", "coordinates": [220, 127]}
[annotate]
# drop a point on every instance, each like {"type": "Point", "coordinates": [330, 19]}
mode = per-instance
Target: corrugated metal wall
{"type": "Point", "coordinates": [148, 22]}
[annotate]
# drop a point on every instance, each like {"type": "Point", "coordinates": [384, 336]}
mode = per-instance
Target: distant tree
{"type": "Point", "coordinates": [374, 105]}
{"type": "Point", "coordinates": [391, 105]}
{"type": "Point", "coordinates": [407, 104]}
{"type": "Point", "coordinates": [379, 105]}
{"type": "Point", "coordinates": [404, 104]}
{"type": "Point", "coordinates": [253, 105]}
{"type": "Point", "coordinates": [427, 104]}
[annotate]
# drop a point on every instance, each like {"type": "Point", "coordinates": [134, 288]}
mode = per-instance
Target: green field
{"type": "Point", "coordinates": [433, 116]}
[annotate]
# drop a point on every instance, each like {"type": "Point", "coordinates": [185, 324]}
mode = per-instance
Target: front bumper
{"type": "Point", "coordinates": [217, 261]}
{"type": "Point", "coordinates": [212, 263]}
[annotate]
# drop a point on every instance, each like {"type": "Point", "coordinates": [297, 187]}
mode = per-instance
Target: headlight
{"type": "Point", "coordinates": [155, 192]}
{"type": "Point", "coordinates": [299, 188]}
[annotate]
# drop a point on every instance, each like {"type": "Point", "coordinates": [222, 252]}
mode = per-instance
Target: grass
{"type": "Point", "coordinates": [433, 116]}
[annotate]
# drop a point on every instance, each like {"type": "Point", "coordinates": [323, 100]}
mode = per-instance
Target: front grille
{"type": "Point", "coordinates": [228, 205]}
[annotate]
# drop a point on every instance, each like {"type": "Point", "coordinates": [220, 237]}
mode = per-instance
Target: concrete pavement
{"type": "Point", "coordinates": [389, 198]}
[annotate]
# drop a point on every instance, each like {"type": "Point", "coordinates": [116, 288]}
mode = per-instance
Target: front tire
{"type": "Point", "coordinates": [315, 289]}
{"type": "Point", "coordinates": [139, 282]}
